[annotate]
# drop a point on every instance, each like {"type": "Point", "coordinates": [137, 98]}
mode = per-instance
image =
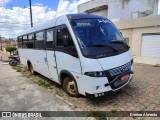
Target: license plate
{"type": "Point", "coordinates": [124, 77]}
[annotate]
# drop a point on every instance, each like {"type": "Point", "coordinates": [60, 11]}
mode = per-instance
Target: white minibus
{"type": "Point", "coordinates": [84, 53]}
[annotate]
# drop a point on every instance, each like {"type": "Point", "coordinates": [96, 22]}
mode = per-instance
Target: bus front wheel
{"type": "Point", "coordinates": [70, 87]}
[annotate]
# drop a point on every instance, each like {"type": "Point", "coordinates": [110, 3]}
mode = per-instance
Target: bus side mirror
{"type": "Point", "coordinates": [65, 40]}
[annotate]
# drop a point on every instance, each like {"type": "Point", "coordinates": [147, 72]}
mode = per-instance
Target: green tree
{"type": "Point", "coordinates": [10, 49]}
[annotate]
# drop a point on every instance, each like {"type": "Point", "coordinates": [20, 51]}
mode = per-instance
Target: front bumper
{"type": "Point", "coordinates": [117, 80]}
{"type": "Point", "coordinates": [98, 94]}
{"type": "Point", "coordinates": [114, 89]}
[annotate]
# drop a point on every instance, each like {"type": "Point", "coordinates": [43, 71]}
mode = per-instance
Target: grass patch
{"type": "Point", "coordinates": [18, 68]}
{"type": "Point", "coordinates": [57, 93]}
{"type": "Point", "coordinates": [5, 61]}
{"type": "Point", "coordinates": [43, 83]}
{"type": "Point", "coordinates": [113, 110]}
{"type": "Point", "coordinates": [157, 65]}
{"type": "Point", "coordinates": [14, 67]}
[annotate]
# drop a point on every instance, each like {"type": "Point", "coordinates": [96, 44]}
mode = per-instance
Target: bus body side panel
{"type": "Point", "coordinates": [68, 63]}
{"type": "Point", "coordinates": [88, 84]}
{"type": "Point", "coordinates": [93, 85]}
{"type": "Point", "coordinates": [22, 56]}
{"type": "Point", "coordinates": [39, 56]}
{"type": "Point", "coordinates": [37, 59]}
{"type": "Point", "coordinates": [52, 66]}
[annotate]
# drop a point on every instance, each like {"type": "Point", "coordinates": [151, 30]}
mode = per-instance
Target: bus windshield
{"type": "Point", "coordinates": [94, 32]}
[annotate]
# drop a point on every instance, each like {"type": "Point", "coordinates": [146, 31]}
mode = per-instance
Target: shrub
{"type": "Point", "coordinates": [10, 49]}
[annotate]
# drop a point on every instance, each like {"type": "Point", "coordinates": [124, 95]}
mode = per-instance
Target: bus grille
{"type": "Point", "coordinates": [119, 70]}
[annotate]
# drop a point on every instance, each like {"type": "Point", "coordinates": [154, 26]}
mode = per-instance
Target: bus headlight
{"type": "Point", "coordinates": [95, 74]}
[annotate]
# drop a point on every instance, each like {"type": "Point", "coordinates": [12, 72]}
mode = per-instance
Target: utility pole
{"type": "Point", "coordinates": [31, 13]}
{"type": "Point", "coordinates": [1, 42]}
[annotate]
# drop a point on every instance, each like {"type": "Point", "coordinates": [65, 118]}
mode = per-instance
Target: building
{"type": "Point", "coordinates": [139, 22]}
{"type": "Point", "coordinates": [118, 10]}
{"type": "Point", "coordinates": [7, 42]}
{"type": "Point", "coordinates": [143, 35]}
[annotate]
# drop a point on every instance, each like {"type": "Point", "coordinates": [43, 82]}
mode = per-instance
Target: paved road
{"type": "Point", "coordinates": [18, 93]}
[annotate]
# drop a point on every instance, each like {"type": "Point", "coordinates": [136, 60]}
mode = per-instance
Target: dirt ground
{"type": "Point", "coordinates": [142, 94]}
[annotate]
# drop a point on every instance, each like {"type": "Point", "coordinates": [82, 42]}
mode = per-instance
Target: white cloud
{"type": "Point", "coordinates": [82, 1]}
{"type": "Point", "coordinates": [38, 4]}
{"type": "Point", "coordinates": [41, 13]}
{"type": "Point", "coordinates": [21, 16]}
{"type": "Point", "coordinates": [65, 6]}
{"type": "Point", "coordinates": [3, 2]}
{"type": "Point", "coordinates": [159, 7]}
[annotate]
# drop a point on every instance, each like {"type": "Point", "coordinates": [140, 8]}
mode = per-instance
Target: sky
{"type": "Point", "coordinates": [15, 14]}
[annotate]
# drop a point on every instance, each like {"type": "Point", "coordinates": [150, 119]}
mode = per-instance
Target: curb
{"type": "Point", "coordinates": [70, 104]}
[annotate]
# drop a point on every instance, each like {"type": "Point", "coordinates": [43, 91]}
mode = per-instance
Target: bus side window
{"type": "Point", "coordinates": [60, 37]}
{"type": "Point", "coordinates": [50, 37]}
{"type": "Point", "coordinates": [19, 42]}
{"type": "Point", "coordinates": [39, 42]}
{"type": "Point", "coordinates": [31, 39]}
{"type": "Point", "coordinates": [63, 32]}
{"type": "Point", "coordinates": [25, 42]}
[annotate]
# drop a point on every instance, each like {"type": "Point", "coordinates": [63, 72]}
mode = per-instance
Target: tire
{"type": "Point", "coordinates": [13, 63]}
{"type": "Point", "coordinates": [70, 87]}
{"type": "Point", "coordinates": [31, 69]}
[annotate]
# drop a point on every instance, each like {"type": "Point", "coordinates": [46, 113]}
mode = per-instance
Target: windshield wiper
{"type": "Point", "coordinates": [105, 45]}
{"type": "Point", "coordinates": [120, 41]}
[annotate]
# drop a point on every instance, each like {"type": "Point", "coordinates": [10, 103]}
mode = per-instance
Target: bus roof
{"type": "Point", "coordinates": [51, 23]}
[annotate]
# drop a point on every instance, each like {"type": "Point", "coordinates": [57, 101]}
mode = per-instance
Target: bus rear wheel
{"type": "Point", "coordinates": [31, 69]}
{"type": "Point", "coordinates": [70, 87]}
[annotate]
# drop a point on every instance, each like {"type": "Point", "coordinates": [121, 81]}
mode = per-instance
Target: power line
{"type": "Point", "coordinates": [15, 23]}
{"type": "Point", "coordinates": [1, 42]}
{"type": "Point", "coordinates": [12, 29]}
{"type": "Point", "coordinates": [25, 5]}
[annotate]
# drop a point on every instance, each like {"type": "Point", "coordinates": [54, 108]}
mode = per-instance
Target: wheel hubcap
{"type": "Point", "coordinates": [71, 87]}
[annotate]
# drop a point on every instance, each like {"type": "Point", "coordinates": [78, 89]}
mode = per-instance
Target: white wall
{"type": "Point", "coordinates": [91, 4]}
{"type": "Point", "coordinates": [121, 9]}
{"type": "Point", "coordinates": [159, 7]}
{"type": "Point", "coordinates": [103, 13]}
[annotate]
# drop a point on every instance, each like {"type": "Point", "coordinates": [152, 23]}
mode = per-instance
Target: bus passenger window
{"type": "Point", "coordinates": [25, 42]}
{"type": "Point", "coordinates": [49, 41]}
{"type": "Point", "coordinates": [31, 41]}
{"type": "Point", "coordinates": [62, 33]}
{"type": "Point", "coordinates": [39, 42]}
{"type": "Point", "coordinates": [60, 37]}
